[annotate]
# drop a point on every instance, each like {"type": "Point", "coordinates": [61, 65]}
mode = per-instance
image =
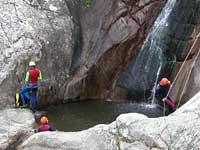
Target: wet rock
{"type": "Point", "coordinates": [187, 83]}
{"type": "Point", "coordinates": [15, 125]}
{"type": "Point", "coordinates": [112, 30]}
{"type": "Point", "coordinates": [166, 47]}
{"type": "Point", "coordinates": [130, 132]}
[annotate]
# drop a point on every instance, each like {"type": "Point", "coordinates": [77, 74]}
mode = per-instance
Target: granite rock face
{"type": "Point", "coordinates": [186, 42]}
{"type": "Point", "coordinates": [35, 30]}
{"type": "Point", "coordinates": [111, 31]}
{"type": "Point", "coordinates": [70, 44]}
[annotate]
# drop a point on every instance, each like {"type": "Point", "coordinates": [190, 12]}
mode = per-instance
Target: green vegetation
{"type": "Point", "coordinates": [86, 3]}
{"type": "Point", "coordinates": [118, 137]}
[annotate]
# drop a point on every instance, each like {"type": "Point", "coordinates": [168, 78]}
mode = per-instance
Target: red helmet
{"type": "Point", "coordinates": [44, 120]}
{"type": "Point", "coordinates": [164, 81]}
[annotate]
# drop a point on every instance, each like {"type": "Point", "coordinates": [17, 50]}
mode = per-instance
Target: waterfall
{"type": "Point", "coordinates": [159, 26]}
{"type": "Point", "coordinates": [144, 71]}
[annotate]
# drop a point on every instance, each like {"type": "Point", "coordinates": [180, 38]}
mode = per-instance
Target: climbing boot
{"type": "Point", "coordinates": [24, 106]}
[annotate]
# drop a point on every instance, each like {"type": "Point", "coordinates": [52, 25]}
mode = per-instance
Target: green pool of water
{"type": "Point", "coordinates": [82, 115]}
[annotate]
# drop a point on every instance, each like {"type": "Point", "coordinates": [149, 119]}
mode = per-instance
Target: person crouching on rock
{"type": "Point", "coordinates": [44, 126]}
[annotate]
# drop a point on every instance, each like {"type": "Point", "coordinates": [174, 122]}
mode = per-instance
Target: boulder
{"type": "Point", "coordinates": [98, 138]}
{"type": "Point", "coordinates": [179, 130]}
{"type": "Point", "coordinates": [16, 124]}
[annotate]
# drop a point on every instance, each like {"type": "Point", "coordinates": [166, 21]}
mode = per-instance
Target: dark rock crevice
{"type": "Point", "coordinates": [17, 140]}
{"type": "Point", "coordinates": [74, 8]}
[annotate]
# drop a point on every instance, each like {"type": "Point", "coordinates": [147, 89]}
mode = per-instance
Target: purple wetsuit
{"type": "Point", "coordinates": [45, 127]}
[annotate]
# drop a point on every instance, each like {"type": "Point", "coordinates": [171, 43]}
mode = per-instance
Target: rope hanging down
{"type": "Point", "coordinates": [197, 37]}
{"type": "Point", "coordinates": [193, 64]}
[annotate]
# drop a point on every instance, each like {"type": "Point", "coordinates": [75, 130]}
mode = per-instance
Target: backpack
{"type": "Point", "coordinates": [18, 101]}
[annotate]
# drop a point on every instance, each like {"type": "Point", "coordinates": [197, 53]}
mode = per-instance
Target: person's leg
{"type": "Point", "coordinates": [23, 91]}
{"type": "Point", "coordinates": [170, 103]}
{"type": "Point", "coordinates": [33, 96]}
{"type": "Point", "coordinates": [34, 100]}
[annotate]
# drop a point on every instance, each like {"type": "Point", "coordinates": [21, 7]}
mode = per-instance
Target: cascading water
{"type": "Point", "coordinates": [159, 26]}
{"type": "Point", "coordinates": [144, 71]}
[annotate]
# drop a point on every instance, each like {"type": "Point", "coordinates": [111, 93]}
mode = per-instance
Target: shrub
{"type": "Point", "coordinates": [86, 3]}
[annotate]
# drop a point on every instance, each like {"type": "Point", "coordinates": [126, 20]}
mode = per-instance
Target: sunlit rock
{"type": "Point", "coordinates": [16, 124]}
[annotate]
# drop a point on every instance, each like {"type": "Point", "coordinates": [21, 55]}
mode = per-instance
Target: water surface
{"type": "Point", "coordinates": [82, 115]}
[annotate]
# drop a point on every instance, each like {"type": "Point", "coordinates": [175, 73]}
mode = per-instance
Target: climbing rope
{"type": "Point", "coordinates": [193, 64]}
{"type": "Point", "coordinates": [164, 109]}
{"type": "Point", "coordinates": [197, 37]}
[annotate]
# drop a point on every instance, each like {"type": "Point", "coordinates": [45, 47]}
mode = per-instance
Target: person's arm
{"type": "Point", "coordinates": [157, 90]}
{"type": "Point", "coordinates": [27, 77]}
{"type": "Point", "coordinates": [40, 76]}
{"type": "Point", "coordinates": [36, 130]}
{"type": "Point", "coordinates": [51, 128]}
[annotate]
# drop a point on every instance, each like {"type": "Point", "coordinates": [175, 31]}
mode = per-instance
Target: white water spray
{"type": "Point", "coordinates": [154, 42]}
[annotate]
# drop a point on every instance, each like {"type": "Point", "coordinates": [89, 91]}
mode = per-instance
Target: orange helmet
{"type": "Point", "coordinates": [164, 81]}
{"type": "Point", "coordinates": [43, 120]}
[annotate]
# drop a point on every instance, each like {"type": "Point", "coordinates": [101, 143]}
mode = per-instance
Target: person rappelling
{"type": "Point", "coordinates": [161, 93]}
{"type": "Point", "coordinates": [29, 90]}
{"type": "Point", "coordinates": [162, 88]}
